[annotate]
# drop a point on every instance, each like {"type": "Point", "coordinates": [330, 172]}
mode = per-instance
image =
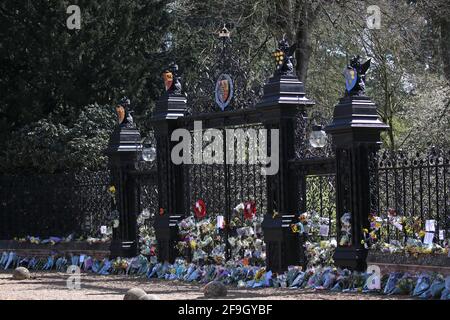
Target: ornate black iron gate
{"type": "Point", "coordinates": [279, 197]}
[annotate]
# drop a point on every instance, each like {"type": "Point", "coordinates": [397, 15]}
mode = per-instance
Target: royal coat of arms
{"type": "Point", "coordinates": [350, 78]}
{"type": "Point", "coordinates": [224, 91]}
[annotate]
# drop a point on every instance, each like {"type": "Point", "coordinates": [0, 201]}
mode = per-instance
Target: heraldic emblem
{"type": "Point", "coordinates": [224, 91]}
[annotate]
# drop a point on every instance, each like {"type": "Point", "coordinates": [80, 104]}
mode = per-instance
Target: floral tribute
{"type": "Point", "coordinates": [411, 235]}
{"type": "Point", "coordinates": [319, 247]}
{"type": "Point", "coordinates": [147, 236]}
{"type": "Point", "coordinates": [206, 239]}
{"type": "Point", "coordinates": [346, 230]}
{"type": "Point", "coordinates": [370, 237]}
{"type": "Point", "coordinates": [200, 209]}
{"type": "Point", "coordinates": [423, 285]}
{"type": "Point", "coordinates": [249, 210]}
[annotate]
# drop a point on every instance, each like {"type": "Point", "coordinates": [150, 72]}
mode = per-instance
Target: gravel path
{"type": "Point", "coordinates": [52, 286]}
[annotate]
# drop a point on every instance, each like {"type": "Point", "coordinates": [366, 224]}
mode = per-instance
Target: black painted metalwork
{"type": "Point", "coordinates": [349, 174]}
{"type": "Point", "coordinates": [356, 131]}
{"type": "Point", "coordinates": [412, 184]}
{"type": "Point", "coordinates": [170, 107]}
{"type": "Point", "coordinates": [284, 98]}
{"type": "Point", "coordinates": [61, 204]}
{"type": "Point", "coordinates": [226, 61]}
{"type": "Point", "coordinates": [283, 107]}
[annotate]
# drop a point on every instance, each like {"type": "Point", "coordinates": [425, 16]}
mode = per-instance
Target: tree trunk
{"type": "Point", "coordinates": [303, 51]}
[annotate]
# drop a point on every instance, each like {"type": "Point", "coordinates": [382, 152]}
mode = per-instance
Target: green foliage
{"type": "Point", "coordinates": [43, 64]}
{"type": "Point", "coordinates": [123, 46]}
{"type": "Point", "coordinates": [47, 146]}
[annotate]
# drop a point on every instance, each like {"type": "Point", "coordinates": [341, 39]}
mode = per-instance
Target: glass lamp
{"type": "Point", "coordinates": [318, 137]}
{"type": "Point", "coordinates": [148, 153]}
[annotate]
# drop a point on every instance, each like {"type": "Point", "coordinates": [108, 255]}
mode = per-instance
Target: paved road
{"type": "Point", "coordinates": [53, 286]}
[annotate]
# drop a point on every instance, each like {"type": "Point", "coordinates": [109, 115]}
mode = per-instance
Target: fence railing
{"type": "Point", "coordinates": [411, 185]}
{"type": "Point", "coordinates": [53, 204]}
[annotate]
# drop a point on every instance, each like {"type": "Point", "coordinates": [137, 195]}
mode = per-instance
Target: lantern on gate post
{"type": "Point", "coordinates": [318, 137]}
{"type": "Point", "coordinates": [148, 151]}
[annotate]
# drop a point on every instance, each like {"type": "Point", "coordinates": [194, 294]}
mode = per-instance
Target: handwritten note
{"type": "Point", "coordinates": [103, 230]}
{"type": "Point", "coordinates": [398, 225]}
{"type": "Point", "coordinates": [324, 229]}
{"type": "Point", "coordinates": [430, 225]}
{"type": "Point", "coordinates": [429, 236]}
{"type": "Point", "coordinates": [220, 221]}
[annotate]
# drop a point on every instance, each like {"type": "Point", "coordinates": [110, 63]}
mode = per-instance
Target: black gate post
{"type": "Point", "coordinates": [284, 97]}
{"type": "Point", "coordinates": [123, 153]}
{"type": "Point", "coordinates": [170, 107]}
{"type": "Point", "coordinates": [356, 131]}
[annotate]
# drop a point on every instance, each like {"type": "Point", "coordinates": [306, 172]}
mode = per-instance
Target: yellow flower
{"type": "Point", "coordinates": [365, 230]}
{"type": "Point", "coordinates": [294, 228]}
{"type": "Point", "coordinates": [193, 244]}
{"type": "Point", "coordinates": [421, 233]}
{"type": "Point", "coordinates": [112, 189]}
{"type": "Point", "coordinates": [260, 273]}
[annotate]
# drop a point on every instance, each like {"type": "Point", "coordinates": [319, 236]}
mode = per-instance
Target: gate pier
{"type": "Point", "coordinates": [284, 97]}
{"type": "Point", "coordinates": [169, 108]}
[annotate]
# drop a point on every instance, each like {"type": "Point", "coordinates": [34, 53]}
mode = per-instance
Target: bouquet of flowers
{"type": "Point", "coordinates": [370, 236]}
{"type": "Point", "coordinates": [346, 230]}
{"type": "Point", "coordinates": [147, 236]}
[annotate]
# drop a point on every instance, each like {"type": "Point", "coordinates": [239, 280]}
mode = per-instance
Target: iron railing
{"type": "Point", "coordinates": [411, 184]}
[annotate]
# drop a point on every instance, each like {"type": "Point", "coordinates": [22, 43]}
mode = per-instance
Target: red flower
{"type": "Point", "coordinates": [249, 210]}
{"type": "Point", "coordinates": [200, 209]}
{"type": "Point", "coordinates": [392, 212]}
{"type": "Point", "coordinates": [161, 211]}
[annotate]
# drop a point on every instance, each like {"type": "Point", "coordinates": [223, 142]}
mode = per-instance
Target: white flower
{"type": "Point", "coordinates": [145, 214]}
{"type": "Point", "coordinates": [240, 207]}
